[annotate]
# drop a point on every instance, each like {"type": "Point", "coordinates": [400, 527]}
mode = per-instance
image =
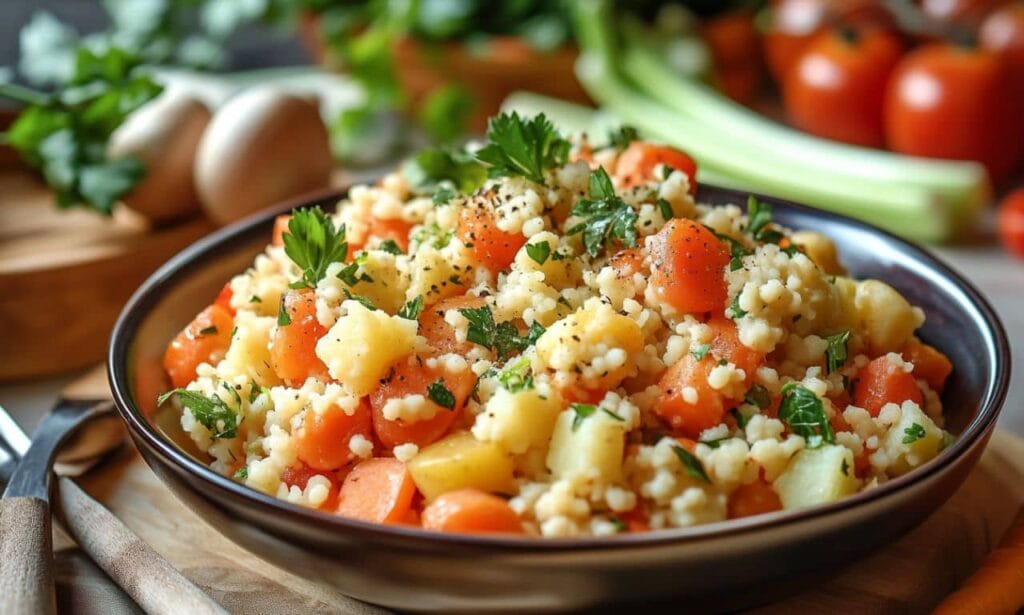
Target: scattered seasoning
{"type": "Point", "coordinates": [283, 318]}
{"type": "Point", "coordinates": [845, 468]}
{"type": "Point", "coordinates": [582, 412]}
{"type": "Point", "coordinates": [758, 396]}
{"type": "Point", "coordinates": [255, 299]}
{"type": "Point", "coordinates": [211, 330]}
{"type": "Point", "coordinates": [390, 246]}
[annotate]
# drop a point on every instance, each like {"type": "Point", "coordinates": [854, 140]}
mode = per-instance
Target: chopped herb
{"type": "Point", "coordinates": [558, 256]}
{"type": "Point", "coordinates": [211, 411]}
{"type": "Point", "coordinates": [390, 246]}
{"type": "Point", "coordinates": [242, 473]}
{"type": "Point", "coordinates": [501, 337]}
{"type": "Point", "coordinates": [349, 277]}
{"type": "Point", "coordinates": [582, 412]}
{"type": "Point", "coordinates": [735, 309]}
{"type": "Point", "coordinates": [736, 249]}
{"type": "Point", "coordinates": [715, 443]}
{"type": "Point", "coordinates": [803, 412]}
{"type": "Point", "coordinates": [434, 168]}
{"type": "Point", "coordinates": [621, 138]}
{"type": "Point", "coordinates": [313, 243]}
{"type": "Point", "coordinates": [516, 146]}
{"type": "Point", "coordinates": [620, 525]}
{"type": "Point", "coordinates": [516, 376]}
{"type": "Point", "coordinates": [433, 234]}
{"type": "Point", "coordinates": [700, 351]}
{"type": "Point", "coordinates": [740, 418]}
{"type": "Point", "coordinates": [665, 209]}
{"type": "Point", "coordinates": [690, 462]}
{"type": "Point", "coordinates": [614, 415]}
{"type": "Point", "coordinates": [363, 299]}
{"type": "Point", "coordinates": [759, 220]}
{"type": "Point", "coordinates": [455, 279]}
{"type": "Point", "coordinates": [440, 395]}
{"type": "Point", "coordinates": [255, 299]}
{"type": "Point", "coordinates": [913, 433]}
{"type": "Point", "coordinates": [411, 310]}
{"type": "Point", "coordinates": [666, 171]}
{"type": "Point", "coordinates": [606, 216]}
{"type": "Point", "coordinates": [539, 251]}
{"type": "Point", "coordinates": [283, 318]}
{"type": "Point", "coordinates": [836, 353]}
{"type": "Point", "coordinates": [443, 196]}
{"type": "Point", "coordinates": [845, 468]}
{"type": "Point", "coordinates": [723, 362]}
{"type": "Point", "coordinates": [234, 330]}
{"type": "Point", "coordinates": [211, 330]}
{"type": "Point", "coordinates": [758, 396]}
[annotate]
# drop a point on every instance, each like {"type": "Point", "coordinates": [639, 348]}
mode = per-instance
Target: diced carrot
{"type": "Point", "coordinates": [627, 263]}
{"type": "Point", "coordinates": [727, 345]}
{"type": "Point", "coordinates": [394, 229]}
{"type": "Point", "coordinates": [323, 438]}
{"type": "Point", "coordinates": [441, 335]}
{"type": "Point", "coordinates": [224, 299]}
{"type": "Point", "coordinates": [930, 364]}
{"type": "Point", "coordinates": [637, 163]}
{"type": "Point", "coordinates": [471, 511]}
{"type": "Point", "coordinates": [293, 347]}
{"type": "Point", "coordinates": [493, 247]}
{"type": "Point", "coordinates": [204, 340]}
{"type": "Point", "coordinates": [756, 498]}
{"type": "Point", "coordinates": [689, 267]}
{"type": "Point", "coordinates": [689, 418]}
{"type": "Point", "coordinates": [636, 520]}
{"type": "Point", "coordinates": [880, 382]}
{"type": "Point", "coordinates": [414, 378]}
{"type": "Point", "coordinates": [575, 394]}
{"type": "Point", "coordinates": [298, 476]}
{"type": "Point", "coordinates": [378, 490]}
{"type": "Point", "coordinates": [280, 228]}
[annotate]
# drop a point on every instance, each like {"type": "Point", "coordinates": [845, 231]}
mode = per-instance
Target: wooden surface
{"type": "Point", "coordinates": [66, 274]}
{"type": "Point", "coordinates": [910, 576]}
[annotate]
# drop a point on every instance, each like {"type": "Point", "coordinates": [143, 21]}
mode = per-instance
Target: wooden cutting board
{"type": "Point", "coordinates": [66, 274]}
{"type": "Point", "coordinates": [909, 576]}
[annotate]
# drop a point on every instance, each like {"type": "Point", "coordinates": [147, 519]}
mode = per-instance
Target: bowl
{"type": "Point", "coordinates": [720, 566]}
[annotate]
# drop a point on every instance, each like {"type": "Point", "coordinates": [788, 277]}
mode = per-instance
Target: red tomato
{"type": "Point", "coordinates": [964, 13]}
{"type": "Point", "coordinates": [733, 40]}
{"type": "Point", "coordinates": [836, 89]}
{"type": "Point", "coordinates": [1002, 33]}
{"type": "Point", "coordinates": [952, 102]}
{"type": "Point", "coordinates": [792, 25]}
{"type": "Point", "coordinates": [1011, 222]}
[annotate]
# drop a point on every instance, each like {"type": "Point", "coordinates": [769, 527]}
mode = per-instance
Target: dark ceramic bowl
{"type": "Point", "coordinates": [717, 567]}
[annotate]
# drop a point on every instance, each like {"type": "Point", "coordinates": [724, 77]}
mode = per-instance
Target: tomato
{"type": "Point", "coordinates": [966, 14]}
{"type": "Point", "coordinates": [637, 163]}
{"type": "Point", "coordinates": [734, 43]}
{"type": "Point", "coordinates": [836, 89]}
{"type": "Point", "coordinates": [493, 247]}
{"type": "Point", "coordinates": [1011, 222]}
{"type": "Point", "coordinates": [323, 438]}
{"type": "Point", "coordinates": [952, 102]}
{"type": "Point", "coordinates": [413, 377]}
{"type": "Point", "coordinates": [1002, 33]}
{"type": "Point", "coordinates": [792, 26]}
{"type": "Point", "coordinates": [688, 267]}
{"type": "Point", "coordinates": [204, 340]}
{"type": "Point", "coordinates": [293, 347]}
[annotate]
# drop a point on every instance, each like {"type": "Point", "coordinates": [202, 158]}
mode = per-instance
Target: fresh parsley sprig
{"type": "Point", "coordinates": [313, 242]}
{"type": "Point", "coordinates": [212, 412]}
{"type": "Point", "coordinates": [836, 353]}
{"type": "Point", "coordinates": [913, 433]}
{"type": "Point", "coordinates": [607, 218]}
{"type": "Point", "coordinates": [440, 169]}
{"type": "Point", "coordinates": [804, 413]}
{"type": "Point", "coordinates": [520, 147]}
{"type": "Point", "coordinates": [503, 337]}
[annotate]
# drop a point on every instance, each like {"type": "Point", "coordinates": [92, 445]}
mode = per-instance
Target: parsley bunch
{"type": "Point", "coordinates": [313, 243]}
{"type": "Point", "coordinates": [64, 135]}
{"type": "Point", "coordinates": [516, 146]}
{"type": "Point", "coordinates": [607, 217]}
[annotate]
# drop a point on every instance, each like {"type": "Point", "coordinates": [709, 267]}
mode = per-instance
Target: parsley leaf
{"type": "Point", "coordinates": [440, 395]}
{"type": "Point", "coordinates": [845, 468]}
{"type": "Point", "coordinates": [516, 146]}
{"type": "Point", "coordinates": [442, 196]}
{"type": "Point", "coordinates": [390, 246]}
{"type": "Point", "coordinates": [582, 412]}
{"type": "Point", "coordinates": [740, 418]}
{"type": "Point", "coordinates": [717, 442]}
{"type": "Point", "coordinates": [433, 234]}
{"type": "Point", "coordinates": [411, 310]}
{"type": "Point", "coordinates": [690, 462]}
{"type": "Point", "coordinates": [242, 473]}
{"type": "Point", "coordinates": [539, 251]}
{"type": "Point", "coordinates": [436, 168]}
{"type": "Point", "coordinates": [621, 138]}
{"type": "Point", "coordinates": [501, 337]}
{"type": "Point", "coordinates": [255, 299]}
{"type": "Point", "coordinates": [349, 277]}
{"type": "Point", "coordinates": [736, 249]}
{"type": "Point", "coordinates": [615, 415]}
{"type": "Point", "coordinates": [665, 208]}
{"type": "Point", "coordinates": [913, 433]}
{"type": "Point", "coordinates": [803, 412]}
{"type": "Point", "coordinates": [700, 351]}
{"type": "Point", "coordinates": [363, 299]}
{"type": "Point", "coordinates": [283, 317]}
{"type": "Point", "coordinates": [735, 309]}
{"type": "Point", "coordinates": [313, 243]}
{"type": "Point", "coordinates": [620, 525]}
{"type": "Point", "coordinates": [211, 411]}
{"type": "Point", "coordinates": [836, 353]}
{"type": "Point", "coordinates": [516, 376]}
{"type": "Point", "coordinates": [607, 217]}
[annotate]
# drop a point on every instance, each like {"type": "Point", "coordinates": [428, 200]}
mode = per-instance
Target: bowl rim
{"type": "Point", "coordinates": [222, 240]}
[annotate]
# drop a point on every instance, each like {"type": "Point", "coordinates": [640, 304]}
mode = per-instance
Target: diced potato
{"type": "Point", "coordinates": [518, 421]}
{"type": "Point", "coordinates": [362, 345]}
{"type": "Point", "coordinates": [596, 342]}
{"type": "Point", "coordinates": [820, 249]}
{"type": "Point", "coordinates": [387, 289]}
{"type": "Point", "coordinates": [558, 272]}
{"type": "Point", "coordinates": [461, 461]}
{"type": "Point", "coordinates": [434, 273]}
{"type": "Point", "coordinates": [592, 451]}
{"type": "Point", "coordinates": [884, 316]}
{"type": "Point", "coordinates": [817, 476]}
{"type": "Point", "coordinates": [926, 438]}
{"type": "Point", "coordinates": [249, 352]}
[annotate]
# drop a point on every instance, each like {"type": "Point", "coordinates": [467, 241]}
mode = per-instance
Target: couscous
{"type": "Point", "coordinates": [554, 338]}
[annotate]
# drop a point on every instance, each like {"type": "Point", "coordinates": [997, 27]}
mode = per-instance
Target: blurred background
{"type": "Point", "coordinates": [133, 127]}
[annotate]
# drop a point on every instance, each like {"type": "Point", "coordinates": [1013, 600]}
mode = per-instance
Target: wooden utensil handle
{"type": "Point", "coordinates": [26, 557]}
{"type": "Point", "coordinates": [140, 571]}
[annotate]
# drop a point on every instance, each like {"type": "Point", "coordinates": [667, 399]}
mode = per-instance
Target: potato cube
{"type": "Point", "coordinates": [817, 476]}
{"type": "Point", "coordinates": [460, 461]}
{"type": "Point", "coordinates": [592, 450]}
{"type": "Point", "coordinates": [884, 316]}
{"type": "Point", "coordinates": [249, 353]}
{"type": "Point", "coordinates": [558, 272]}
{"type": "Point", "coordinates": [913, 440]}
{"type": "Point", "coordinates": [362, 345]}
{"type": "Point", "coordinates": [518, 421]}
